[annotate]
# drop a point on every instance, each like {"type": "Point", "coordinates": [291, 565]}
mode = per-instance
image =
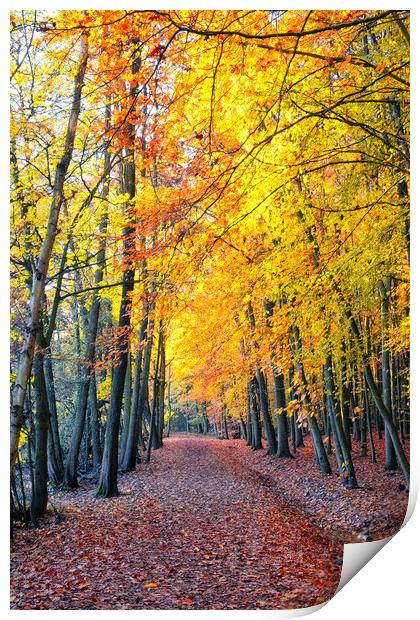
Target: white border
{"type": "Point", "coordinates": [386, 587]}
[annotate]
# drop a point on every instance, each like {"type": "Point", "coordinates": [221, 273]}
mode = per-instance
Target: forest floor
{"type": "Point", "coordinates": [194, 529]}
{"type": "Point", "coordinates": [373, 511]}
{"type": "Point", "coordinates": [208, 524]}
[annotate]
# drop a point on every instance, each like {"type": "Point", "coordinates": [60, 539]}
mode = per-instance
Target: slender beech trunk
{"type": "Point", "coordinates": [206, 424]}
{"type": "Point", "coordinates": [161, 393]}
{"type": "Point", "coordinates": [283, 450]}
{"type": "Point", "coordinates": [133, 420]}
{"type": "Point", "coordinates": [242, 429]}
{"type": "Point", "coordinates": [327, 423]}
{"type": "Point", "coordinates": [168, 424]}
{"type": "Point", "coordinates": [55, 452]}
{"type": "Point", "coordinates": [42, 264]}
{"type": "Point", "coordinates": [249, 430]}
{"type": "Point", "coordinates": [321, 455]}
{"type": "Point", "coordinates": [153, 417]}
{"type": "Point", "coordinates": [346, 468]}
{"type": "Point", "coordinates": [384, 290]}
{"type": "Point", "coordinates": [345, 399]}
{"type": "Point", "coordinates": [224, 422]}
{"type": "Point", "coordinates": [262, 389]}
{"type": "Point", "coordinates": [296, 427]}
{"type": "Point", "coordinates": [299, 442]}
{"type": "Point", "coordinates": [95, 425]}
{"type": "Point", "coordinates": [332, 414]}
{"type": "Point", "coordinates": [154, 424]}
{"type": "Point", "coordinates": [40, 489]}
{"type": "Point", "coordinates": [128, 462]}
{"type": "Point", "coordinates": [88, 441]}
{"type": "Point", "coordinates": [265, 412]}
{"type": "Point", "coordinates": [108, 485]}
{"type": "Point", "coordinates": [256, 425]}
{"type": "Point", "coordinates": [369, 423]}
{"type": "Point", "coordinates": [127, 406]}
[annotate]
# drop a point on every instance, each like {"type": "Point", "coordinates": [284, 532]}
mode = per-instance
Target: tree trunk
{"type": "Point", "coordinates": [168, 425]}
{"type": "Point", "coordinates": [107, 485]}
{"type": "Point", "coordinates": [152, 431]}
{"type": "Point", "coordinates": [55, 452]}
{"type": "Point", "coordinates": [345, 400]}
{"type": "Point", "coordinates": [262, 389]}
{"type": "Point", "coordinates": [321, 455]}
{"type": "Point", "coordinates": [249, 431]}
{"type": "Point", "coordinates": [345, 467]}
{"type": "Point", "coordinates": [265, 412]}
{"type": "Point", "coordinates": [40, 490]}
{"type": "Point", "coordinates": [256, 425]}
{"type": "Point", "coordinates": [162, 387]}
{"type": "Point", "coordinates": [95, 425]}
{"type": "Point", "coordinates": [127, 407]}
{"type": "Point", "coordinates": [283, 450]}
{"type": "Point", "coordinates": [384, 290]}
{"type": "Point", "coordinates": [129, 461]}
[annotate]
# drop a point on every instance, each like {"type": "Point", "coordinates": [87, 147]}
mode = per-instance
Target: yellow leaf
{"type": "Point", "coordinates": [151, 584]}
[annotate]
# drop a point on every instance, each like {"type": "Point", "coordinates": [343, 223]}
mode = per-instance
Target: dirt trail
{"type": "Point", "coordinates": [192, 530]}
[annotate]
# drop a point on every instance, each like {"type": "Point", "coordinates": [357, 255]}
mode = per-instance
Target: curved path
{"type": "Point", "coordinates": [192, 530]}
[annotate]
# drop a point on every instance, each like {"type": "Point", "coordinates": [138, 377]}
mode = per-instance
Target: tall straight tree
{"type": "Point", "coordinates": [108, 484]}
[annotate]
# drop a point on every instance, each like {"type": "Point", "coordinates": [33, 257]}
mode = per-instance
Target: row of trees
{"type": "Point", "coordinates": [207, 206]}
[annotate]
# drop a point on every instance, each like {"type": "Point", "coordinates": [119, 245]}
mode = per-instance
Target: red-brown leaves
{"type": "Point", "coordinates": [197, 530]}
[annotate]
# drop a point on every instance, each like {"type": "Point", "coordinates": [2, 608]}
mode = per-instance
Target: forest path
{"type": "Point", "coordinates": [191, 530]}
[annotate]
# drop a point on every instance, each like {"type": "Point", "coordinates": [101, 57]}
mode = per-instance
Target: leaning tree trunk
{"type": "Point", "coordinates": [42, 264]}
{"type": "Point", "coordinates": [373, 388]}
{"type": "Point", "coordinates": [384, 290]}
{"type": "Point", "coordinates": [343, 455]}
